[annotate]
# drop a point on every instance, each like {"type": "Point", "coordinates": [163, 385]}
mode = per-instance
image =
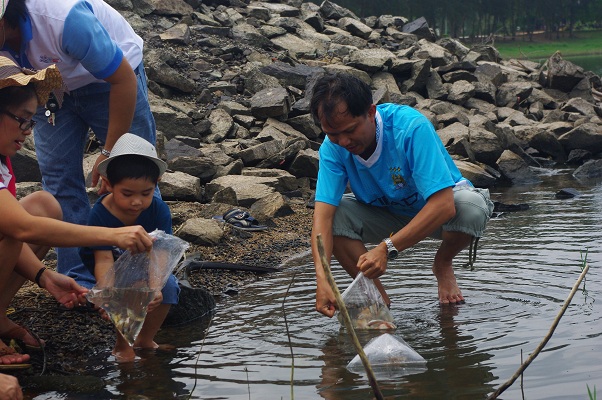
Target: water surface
{"type": "Point", "coordinates": [526, 266]}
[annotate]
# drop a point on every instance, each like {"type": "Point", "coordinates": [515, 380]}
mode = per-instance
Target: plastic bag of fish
{"type": "Point", "coordinates": [133, 280]}
{"type": "Point", "coordinates": [390, 357]}
{"type": "Point", "coordinates": [366, 306]}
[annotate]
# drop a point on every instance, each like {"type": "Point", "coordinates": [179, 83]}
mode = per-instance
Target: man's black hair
{"type": "Point", "coordinates": [132, 166]}
{"type": "Point", "coordinates": [330, 89]}
{"type": "Point", "coordinates": [16, 10]}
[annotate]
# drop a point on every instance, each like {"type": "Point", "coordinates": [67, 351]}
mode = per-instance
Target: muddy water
{"type": "Point", "coordinates": [526, 266]}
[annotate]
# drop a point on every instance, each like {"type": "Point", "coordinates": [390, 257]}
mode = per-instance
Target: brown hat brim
{"type": "Point", "coordinates": [44, 81]}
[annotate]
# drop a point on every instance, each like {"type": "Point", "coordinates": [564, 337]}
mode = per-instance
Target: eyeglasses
{"type": "Point", "coordinates": [24, 124]}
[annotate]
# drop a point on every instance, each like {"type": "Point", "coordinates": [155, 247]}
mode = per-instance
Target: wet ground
{"type": "Point", "coordinates": [74, 337]}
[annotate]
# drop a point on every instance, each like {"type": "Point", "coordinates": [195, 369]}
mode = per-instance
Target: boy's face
{"type": "Point", "coordinates": [132, 196]}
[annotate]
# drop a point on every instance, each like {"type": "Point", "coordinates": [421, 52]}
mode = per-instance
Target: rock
{"type": "Point", "coordinates": [589, 170]}
{"type": "Point", "coordinates": [180, 186]}
{"type": "Point", "coordinates": [562, 74]}
{"type": "Point", "coordinates": [587, 136]}
{"type": "Point", "coordinates": [205, 232]}
{"type": "Point", "coordinates": [272, 102]}
{"type": "Point", "coordinates": [567, 193]}
{"type": "Point", "coordinates": [271, 206]}
{"type": "Point", "coordinates": [515, 169]}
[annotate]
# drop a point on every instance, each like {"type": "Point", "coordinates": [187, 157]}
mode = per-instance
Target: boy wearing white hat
{"type": "Point", "coordinates": [131, 174]}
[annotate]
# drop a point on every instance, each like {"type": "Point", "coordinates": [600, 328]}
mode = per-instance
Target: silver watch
{"type": "Point", "coordinates": [392, 252]}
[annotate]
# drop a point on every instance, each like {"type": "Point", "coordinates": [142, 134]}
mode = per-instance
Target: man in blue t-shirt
{"type": "Point", "coordinates": [405, 187]}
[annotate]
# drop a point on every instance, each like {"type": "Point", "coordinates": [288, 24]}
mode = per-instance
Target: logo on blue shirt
{"type": "Point", "coordinates": [49, 60]}
{"type": "Point", "coordinates": [397, 178]}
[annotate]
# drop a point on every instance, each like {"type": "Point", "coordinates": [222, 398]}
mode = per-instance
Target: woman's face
{"type": "Point", "coordinates": [11, 135]}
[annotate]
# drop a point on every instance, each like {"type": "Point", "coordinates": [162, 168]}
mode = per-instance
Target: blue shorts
{"type": "Point", "coordinates": [171, 290]}
{"type": "Point", "coordinates": [372, 224]}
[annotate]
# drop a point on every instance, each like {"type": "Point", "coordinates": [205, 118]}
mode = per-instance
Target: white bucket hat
{"type": "Point", "coordinates": [3, 5]}
{"type": "Point", "coordinates": [130, 144]}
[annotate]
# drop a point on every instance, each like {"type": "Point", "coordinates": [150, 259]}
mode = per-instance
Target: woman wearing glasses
{"type": "Point", "coordinates": [30, 226]}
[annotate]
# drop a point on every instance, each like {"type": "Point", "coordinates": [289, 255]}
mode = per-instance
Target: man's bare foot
{"type": "Point", "coordinates": [449, 291]}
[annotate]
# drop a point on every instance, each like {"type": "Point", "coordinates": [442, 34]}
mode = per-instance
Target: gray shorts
{"type": "Point", "coordinates": [372, 224]}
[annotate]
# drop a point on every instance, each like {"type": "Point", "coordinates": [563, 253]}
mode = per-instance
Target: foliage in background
{"type": "Point", "coordinates": [481, 18]}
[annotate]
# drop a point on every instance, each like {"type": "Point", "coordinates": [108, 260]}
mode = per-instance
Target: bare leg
{"type": "Point", "coordinates": [41, 204]}
{"type": "Point", "coordinates": [122, 351]}
{"type": "Point", "coordinates": [347, 252]}
{"type": "Point", "coordinates": [451, 245]}
{"type": "Point", "coordinates": [10, 282]}
{"type": "Point", "coordinates": [152, 324]}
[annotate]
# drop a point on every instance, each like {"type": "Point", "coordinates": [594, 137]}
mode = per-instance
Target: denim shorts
{"type": "Point", "coordinates": [372, 224]}
{"type": "Point", "coordinates": [171, 290]}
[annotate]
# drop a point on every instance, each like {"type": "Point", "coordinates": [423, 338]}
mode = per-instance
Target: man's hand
{"type": "Point", "coordinates": [373, 263]}
{"type": "Point", "coordinates": [325, 301]}
{"type": "Point", "coordinates": [133, 238]}
{"type": "Point", "coordinates": [9, 388]}
{"type": "Point", "coordinates": [96, 176]}
{"type": "Point", "coordinates": [156, 302]}
{"type": "Point", "coordinates": [63, 288]}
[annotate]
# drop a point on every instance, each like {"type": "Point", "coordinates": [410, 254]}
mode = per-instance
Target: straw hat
{"type": "Point", "coordinates": [44, 81]}
{"type": "Point", "coordinates": [130, 144]}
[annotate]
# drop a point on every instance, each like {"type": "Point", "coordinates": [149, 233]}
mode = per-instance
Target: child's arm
{"type": "Point", "coordinates": [103, 261]}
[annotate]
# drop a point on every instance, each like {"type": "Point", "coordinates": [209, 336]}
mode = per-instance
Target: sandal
{"type": "Point", "coordinates": [241, 220]}
{"type": "Point", "coordinates": [18, 333]}
{"type": "Point", "coordinates": [10, 351]}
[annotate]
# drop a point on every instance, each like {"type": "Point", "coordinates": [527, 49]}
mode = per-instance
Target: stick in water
{"type": "Point", "coordinates": [545, 340]}
{"type": "Point", "coordinates": [347, 320]}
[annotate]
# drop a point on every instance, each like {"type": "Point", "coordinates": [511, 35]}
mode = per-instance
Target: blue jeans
{"type": "Point", "coordinates": [60, 151]}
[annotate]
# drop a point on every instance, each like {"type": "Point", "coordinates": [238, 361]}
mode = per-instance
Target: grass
{"type": "Point", "coordinates": [592, 395]}
{"type": "Point", "coordinates": [583, 43]}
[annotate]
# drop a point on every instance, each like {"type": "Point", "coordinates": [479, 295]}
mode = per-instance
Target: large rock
{"type": "Point", "coordinates": [271, 102]}
{"type": "Point", "coordinates": [587, 136]}
{"type": "Point", "coordinates": [515, 169]}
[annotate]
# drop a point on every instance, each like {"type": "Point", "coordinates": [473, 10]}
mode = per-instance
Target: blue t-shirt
{"type": "Point", "coordinates": [409, 164]}
{"type": "Point", "coordinates": [157, 216]}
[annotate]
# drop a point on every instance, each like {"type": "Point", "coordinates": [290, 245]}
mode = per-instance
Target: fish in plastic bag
{"type": "Point", "coordinates": [366, 306]}
{"type": "Point", "coordinates": [389, 355]}
{"type": "Point", "coordinates": [131, 283]}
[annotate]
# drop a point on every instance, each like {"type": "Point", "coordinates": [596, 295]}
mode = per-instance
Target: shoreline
{"type": "Point", "coordinates": [73, 338]}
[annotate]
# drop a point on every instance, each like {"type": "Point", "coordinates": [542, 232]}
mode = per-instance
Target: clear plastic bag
{"type": "Point", "coordinates": [389, 356]}
{"type": "Point", "coordinates": [134, 279]}
{"type": "Point", "coordinates": [366, 306]}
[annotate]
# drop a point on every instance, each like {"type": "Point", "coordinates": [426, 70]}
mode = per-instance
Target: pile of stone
{"type": "Point", "coordinates": [229, 85]}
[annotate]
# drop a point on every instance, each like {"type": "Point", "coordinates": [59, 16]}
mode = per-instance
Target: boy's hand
{"type": "Point", "coordinates": [156, 302]}
{"type": "Point", "coordinates": [133, 238]}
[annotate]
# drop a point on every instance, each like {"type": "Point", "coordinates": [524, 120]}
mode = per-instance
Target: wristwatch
{"type": "Point", "coordinates": [392, 252]}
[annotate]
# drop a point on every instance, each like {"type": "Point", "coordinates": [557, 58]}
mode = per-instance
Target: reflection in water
{"type": "Point", "coordinates": [527, 263]}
